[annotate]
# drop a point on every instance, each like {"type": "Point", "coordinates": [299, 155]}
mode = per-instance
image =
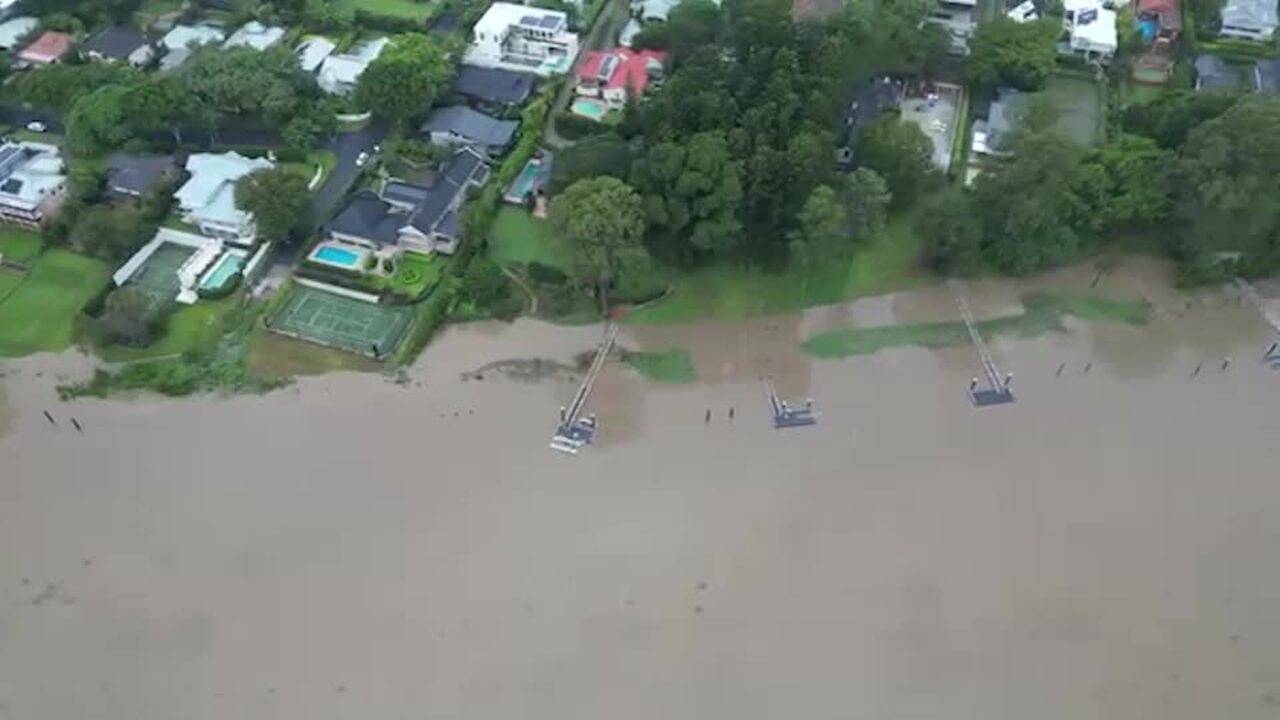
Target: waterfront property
{"type": "Point", "coordinates": [208, 199]}
{"type": "Point", "coordinates": [524, 39]}
{"type": "Point", "coordinates": [347, 323]}
{"type": "Point", "coordinates": [341, 255]}
{"type": "Point", "coordinates": [177, 265]}
{"type": "Point", "coordinates": [406, 217]}
{"type": "Point", "coordinates": [32, 182]}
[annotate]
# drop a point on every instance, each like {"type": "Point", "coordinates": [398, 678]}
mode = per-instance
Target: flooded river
{"type": "Point", "coordinates": [353, 547]}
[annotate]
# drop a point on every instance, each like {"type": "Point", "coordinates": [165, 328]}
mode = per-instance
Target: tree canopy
{"type": "Point", "coordinates": [900, 153]}
{"type": "Point", "coordinates": [405, 79]}
{"type": "Point", "coordinates": [692, 195]}
{"type": "Point", "coordinates": [1007, 52]}
{"type": "Point", "coordinates": [605, 154]}
{"type": "Point", "coordinates": [278, 199]}
{"type": "Point", "coordinates": [244, 82]}
{"type": "Point", "coordinates": [602, 222]}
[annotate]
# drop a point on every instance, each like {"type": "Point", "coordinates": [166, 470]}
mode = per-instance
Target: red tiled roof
{"type": "Point", "coordinates": [47, 48]}
{"type": "Point", "coordinates": [631, 72]}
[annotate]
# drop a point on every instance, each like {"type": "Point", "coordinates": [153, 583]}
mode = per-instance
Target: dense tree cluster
{"type": "Point", "coordinates": [405, 79]}
{"type": "Point", "coordinates": [1195, 172]}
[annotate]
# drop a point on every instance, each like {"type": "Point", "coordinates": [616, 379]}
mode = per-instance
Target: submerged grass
{"type": "Point", "coordinates": [673, 365]}
{"type": "Point", "coordinates": [1043, 312]}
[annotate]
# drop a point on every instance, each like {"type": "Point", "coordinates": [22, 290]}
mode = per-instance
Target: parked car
{"type": "Point", "coordinates": [361, 159]}
{"type": "Point", "coordinates": [36, 126]}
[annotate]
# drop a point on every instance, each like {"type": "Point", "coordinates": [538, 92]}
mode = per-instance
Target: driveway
{"type": "Point", "coordinates": [346, 147]}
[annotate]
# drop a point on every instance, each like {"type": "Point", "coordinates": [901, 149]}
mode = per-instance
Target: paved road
{"type": "Point", "coordinates": [18, 117]}
{"type": "Point", "coordinates": [602, 36]}
{"type": "Point", "coordinates": [346, 147]}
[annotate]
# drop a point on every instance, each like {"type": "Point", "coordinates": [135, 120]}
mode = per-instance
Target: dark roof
{"type": "Point", "coordinates": [115, 42]}
{"type": "Point", "coordinates": [436, 205]}
{"type": "Point", "coordinates": [472, 125]}
{"type": "Point", "coordinates": [1266, 76]}
{"type": "Point", "coordinates": [493, 85]}
{"type": "Point", "coordinates": [1212, 73]}
{"type": "Point", "coordinates": [367, 216]}
{"type": "Point", "coordinates": [136, 174]}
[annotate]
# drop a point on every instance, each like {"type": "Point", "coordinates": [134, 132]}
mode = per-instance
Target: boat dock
{"type": "Point", "coordinates": [574, 431]}
{"type": "Point", "coordinates": [785, 415]}
{"type": "Point", "coordinates": [997, 389]}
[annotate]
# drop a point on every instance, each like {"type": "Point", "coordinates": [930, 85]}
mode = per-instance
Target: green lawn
{"type": "Point", "coordinates": [19, 245]}
{"type": "Point", "coordinates": [195, 327]}
{"type": "Point", "coordinates": [9, 279]}
{"type": "Point", "coordinates": [888, 263]}
{"type": "Point", "coordinates": [393, 8]}
{"type": "Point", "coordinates": [1043, 312]}
{"type": "Point", "coordinates": [416, 273]}
{"type": "Point", "coordinates": [40, 314]}
{"type": "Point", "coordinates": [307, 169]}
{"type": "Point", "coordinates": [1080, 104]}
{"type": "Point", "coordinates": [518, 237]}
{"type": "Point", "coordinates": [673, 365]}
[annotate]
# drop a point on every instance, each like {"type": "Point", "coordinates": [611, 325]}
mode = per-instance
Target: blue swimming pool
{"type": "Point", "coordinates": [229, 264]}
{"type": "Point", "coordinates": [337, 256]}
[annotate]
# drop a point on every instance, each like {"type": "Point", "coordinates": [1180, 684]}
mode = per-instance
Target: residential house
{"type": "Point", "coordinates": [1266, 76]}
{"type": "Point", "coordinates": [1213, 73]}
{"type": "Point", "coordinates": [132, 175]}
{"type": "Point", "coordinates": [960, 19]}
{"type": "Point", "coordinates": [1166, 14]}
{"type": "Point", "coordinates": [339, 72]}
{"type": "Point", "coordinates": [1091, 29]}
{"type": "Point", "coordinates": [14, 30]}
{"type": "Point", "coordinates": [254, 34]}
{"type": "Point", "coordinates": [525, 39]}
{"type": "Point", "coordinates": [460, 125]}
{"type": "Point", "coordinates": [47, 49]}
{"type": "Point", "coordinates": [208, 199]}
{"type": "Point", "coordinates": [1249, 20]}
{"type": "Point", "coordinates": [312, 52]}
{"type": "Point", "coordinates": [32, 182]}
{"type": "Point", "coordinates": [413, 218]}
{"type": "Point", "coordinates": [989, 134]}
{"type": "Point", "coordinates": [493, 87]}
{"type": "Point", "coordinates": [1023, 12]}
{"type": "Point", "coordinates": [182, 39]}
{"type": "Point", "coordinates": [119, 43]}
{"type": "Point", "coordinates": [614, 75]}
{"type": "Point", "coordinates": [7, 7]}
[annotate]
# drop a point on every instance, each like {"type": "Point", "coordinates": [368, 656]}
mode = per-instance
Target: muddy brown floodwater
{"type": "Point", "coordinates": [354, 548]}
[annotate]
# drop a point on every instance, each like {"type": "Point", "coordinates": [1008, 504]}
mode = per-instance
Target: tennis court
{"type": "Point", "coordinates": [159, 274]}
{"type": "Point", "coordinates": [336, 321]}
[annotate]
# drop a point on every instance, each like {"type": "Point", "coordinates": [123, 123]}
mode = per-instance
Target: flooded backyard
{"type": "Point", "coordinates": [357, 547]}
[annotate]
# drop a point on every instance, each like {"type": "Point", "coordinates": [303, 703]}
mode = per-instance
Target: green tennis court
{"type": "Point", "coordinates": [159, 273]}
{"type": "Point", "coordinates": [336, 321]}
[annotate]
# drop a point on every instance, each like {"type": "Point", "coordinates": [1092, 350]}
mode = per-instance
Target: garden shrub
{"type": "Point", "coordinates": [546, 274]}
{"type": "Point", "coordinates": [573, 126]}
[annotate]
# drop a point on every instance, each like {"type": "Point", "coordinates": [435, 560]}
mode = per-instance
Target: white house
{"type": "Point", "coordinates": [959, 18]}
{"type": "Point", "coordinates": [182, 39]}
{"type": "Point", "coordinates": [255, 35]}
{"type": "Point", "coordinates": [525, 39]}
{"type": "Point", "coordinates": [208, 198]}
{"type": "Point", "coordinates": [13, 30]}
{"type": "Point", "coordinates": [32, 181]}
{"type": "Point", "coordinates": [1092, 29]}
{"type": "Point", "coordinates": [1249, 20]}
{"type": "Point", "coordinates": [338, 73]}
{"type": "Point", "coordinates": [312, 52]}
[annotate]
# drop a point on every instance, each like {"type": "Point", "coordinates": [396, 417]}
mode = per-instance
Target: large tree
{"type": "Point", "coordinates": [130, 316]}
{"type": "Point", "coordinates": [278, 199]}
{"type": "Point", "coordinates": [159, 102]}
{"type": "Point", "coordinates": [97, 122]}
{"type": "Point", "coordinates": [58, 86]}
{"type": "Point", "coordinates": [1006, 52]}
{"type": "Point", "coordinates": [238, 82]}
{"type": "Point", "coordinates": [1228, 183]}
{"type": "Point", "coordinates": [901, 154]}
{"type": "Point", "coordinates": [692, 24]}
{"type": "Point", "coordinates": [867, 199]}
{"type": "Point", "coordinates": [405, 79]}
{"type": "Point", "coordinates": [692, 194]}
{"type": "Point", "coordinates": [601, 220]}
{"type": "Point", "coordinates": [950, 232]}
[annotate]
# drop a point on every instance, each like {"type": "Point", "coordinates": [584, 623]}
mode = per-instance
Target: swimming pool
{"type": "Point", "coordinates": [334, 255]}
{"type": "Point", "coordinates": [229, 264]}
{"type": "Point", "coordinates": [526, 182]}
{"type": "Point", "coordinates": [589, 108]}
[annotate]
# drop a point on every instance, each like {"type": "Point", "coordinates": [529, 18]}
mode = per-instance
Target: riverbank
{"type": "Point", "coordinates": [354, 546]}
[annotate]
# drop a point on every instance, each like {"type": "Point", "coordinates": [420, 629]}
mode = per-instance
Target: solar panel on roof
{"type": "Point", "coordinates": [550, 21]}
{"type": "Point", "coordinates": [12, 186]}
{"type": "Point", "coordinates": [530, 20]}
